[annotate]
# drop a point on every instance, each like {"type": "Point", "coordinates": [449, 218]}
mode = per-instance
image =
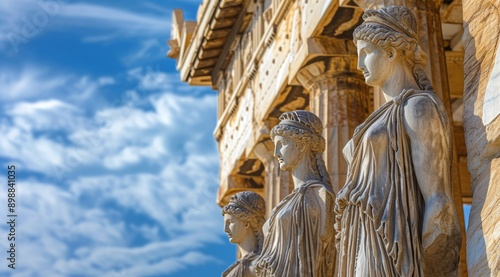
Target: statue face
{"type": "Point", "coordinates": [287, 152]}
{"type": "Point", "coordinates": [375, 63]}
{"type": "Point", "coordinates": [235, 228]}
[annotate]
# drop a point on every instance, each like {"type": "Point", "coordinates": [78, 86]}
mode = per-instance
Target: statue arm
{"type": "Point", "coordinates": [430, 154]}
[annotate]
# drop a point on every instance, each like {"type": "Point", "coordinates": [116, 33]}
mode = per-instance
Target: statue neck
{"type": "Point", "coordinates": [304, 171]}
{"type": "Point", "coordinates": [400, 79]}
{"type": "Point", "coordinates": [249, 244]}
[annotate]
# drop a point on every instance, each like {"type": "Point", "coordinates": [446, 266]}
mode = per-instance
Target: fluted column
{"type": "Point", "coordinates": [341, 99]}
{"type": "Point", "coordinates": [277, 183]}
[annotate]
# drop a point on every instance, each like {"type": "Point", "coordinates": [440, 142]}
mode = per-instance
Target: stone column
{"type": "Point", "coordinates": [341, 99]}
{"type": "Point", "coordinates": [481, 120]}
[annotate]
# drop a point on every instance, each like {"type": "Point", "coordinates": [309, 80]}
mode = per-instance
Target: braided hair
{"type": "Point", "coordinates": [396, 27]}
{"type": "Point", "coordinates": [305, 126]}
{"type": "Point", "coordinates": [249, 207]}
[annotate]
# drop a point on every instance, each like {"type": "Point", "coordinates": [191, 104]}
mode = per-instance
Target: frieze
{"type": "Point", "coordinates": [237, 132]}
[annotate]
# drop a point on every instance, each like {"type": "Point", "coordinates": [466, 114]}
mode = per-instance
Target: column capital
{"type": "Point", "coordinates": [326, 68]}
{"type": "Point", "coordinates": [318, 48]}
{"type": "Point", "coordinates": [377, 4]}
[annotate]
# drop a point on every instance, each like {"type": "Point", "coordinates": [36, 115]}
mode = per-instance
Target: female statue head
{"type": "Point", "coordinates": [298, 136]}
{"type": "Point", "coordinates": [244, 217]}
{"type": "Point", "coordinates": [393, 29]}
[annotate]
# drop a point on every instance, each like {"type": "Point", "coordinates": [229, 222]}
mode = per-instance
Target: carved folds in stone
{"type": "Point", "coordinates": [399, 164]}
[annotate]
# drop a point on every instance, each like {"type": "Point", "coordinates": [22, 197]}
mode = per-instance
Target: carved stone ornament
{"type": "Point", "coordinates": [299, 238]}
{"type": "Point", "coordinates": [174, 49]}
{"type": "Point", "coordinates": [395, 216]}
{"type": "Point", "coordinates": [243, 220]}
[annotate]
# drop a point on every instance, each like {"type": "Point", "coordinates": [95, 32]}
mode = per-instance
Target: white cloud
{"type": "Point", "coordinates": [39, 83]}
{"type": "Point", "coordinates": [169, 266]}
{"type": "Point", "coordinates": [127, 22]}
{"type": "Point", "coordinates": [148, 48]}
{"type": "Point", "coordinates": [35, 134]}
{"type": "Point", "coordinates": [132, 155]}
{"type": "Point", "coordinates": [37, 154]}
{"type": "Point", "coordinates": [52, 223]}
{"type": "Point", "coordinates": [129, 135]}
{"type": "Point", "coordinates": [28, 83]}
{"type": "Point", "coordinates": [81, 225]}
{"type": "Point", "coordinates": [64, 235]}
{"type": "Point", "coordinates": [23, 20]}
{"type": "Point", "coordinates": [87, 86]}
{"type": "Point", "coordinates": [153, 78]}
{"type": "Point", "coordinates": [44, 115]}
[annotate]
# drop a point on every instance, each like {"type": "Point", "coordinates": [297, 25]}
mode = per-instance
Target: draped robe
{"type": "Point", "coordinates": [300, 240]}
{"type": "Point", "coordinates": [379, 211]}
{"type": "Point", "coordinates": [241, 267]}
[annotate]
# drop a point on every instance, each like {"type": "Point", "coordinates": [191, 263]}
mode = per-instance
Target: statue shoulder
{"type": "Point", "coordinates": [424, 110]}
{"type": "Point", "coordinates": [318, 193]}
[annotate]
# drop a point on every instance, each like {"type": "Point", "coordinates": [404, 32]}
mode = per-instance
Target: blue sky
{"type": "Point", "coordinates": [117, 167]}
{"type": "Point", "coordinates": [116, 164]}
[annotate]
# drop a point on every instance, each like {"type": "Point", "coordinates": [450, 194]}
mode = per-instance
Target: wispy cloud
{"type": "Point", "coordinates": [148, 48]}
{"type": "Point", "coordinates": [136, 200]}
{"type": "Point", "coordinates": [117, 171]}
{"type": "Point", "coordinates": [29, 82]}
{"type": "Point", "coordinates": [127, 22]}
{"type": "Point", "coordinates": [23, 20]}
{"type": "Point", "coordinates": [38, 82]}
{"type": "Point", "coordinates": [44, 115]}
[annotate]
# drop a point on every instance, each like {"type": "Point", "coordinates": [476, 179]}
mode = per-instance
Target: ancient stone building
{"type": "Point", "coordinates": [265, 57]}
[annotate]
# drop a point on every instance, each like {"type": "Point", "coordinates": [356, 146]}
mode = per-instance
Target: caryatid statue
{"type": "Point", "coordinates": [395, 216]}
{"type": "Point", "coordinates": [298, 236]}
{"type": "Point", "coordinates": [243, 220]}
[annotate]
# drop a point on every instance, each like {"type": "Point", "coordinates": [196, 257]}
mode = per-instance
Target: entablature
{"type": "Point", "coordinates": [215, 28]}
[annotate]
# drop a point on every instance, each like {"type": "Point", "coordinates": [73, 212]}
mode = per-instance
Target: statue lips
{"type": "Point", "coordinates": [229, 234]}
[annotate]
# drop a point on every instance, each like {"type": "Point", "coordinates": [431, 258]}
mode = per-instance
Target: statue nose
{"type": "Point", "coordinates": [277, 152]}
{"type": "Point", "coordinates": [361, 66]}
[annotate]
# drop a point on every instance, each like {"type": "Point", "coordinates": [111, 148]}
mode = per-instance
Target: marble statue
{"type": "Point", "coordinates": [243, 220]}
{"type": "Point", "coordinates": [298, 236]}
{"type": "Point", "coordinates": [395, 215]}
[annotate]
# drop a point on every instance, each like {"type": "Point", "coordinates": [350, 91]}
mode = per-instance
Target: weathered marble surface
{"type": "Point", "coordinates": [481, 42]}
{"type": "Point", "coordinates": [341, 99]}
{"type": "Point", "coordinates": [243, 220]}
{"type": "Point", "coordinates": [491, 108]}
{"type": "Point", "coordinates": [395, 215]}
{"type": "Point", "coordinates": [299, 234]}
